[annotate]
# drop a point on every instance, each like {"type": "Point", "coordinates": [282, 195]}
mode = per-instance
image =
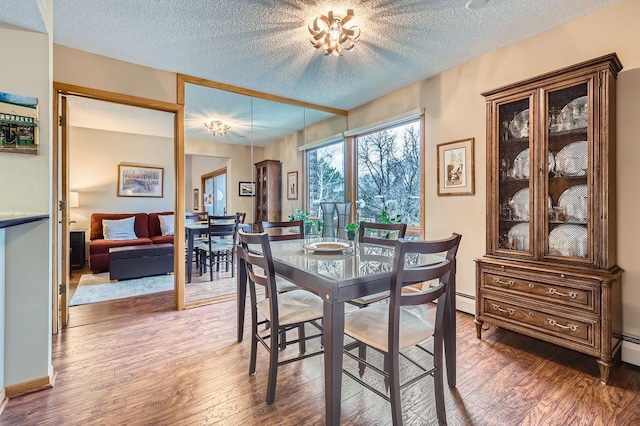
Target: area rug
{"type": "Point", "coordinates": [94, 288]}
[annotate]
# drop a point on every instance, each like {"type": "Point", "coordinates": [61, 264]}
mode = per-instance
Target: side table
{"type": "Point", "coordinates": [76, 243]}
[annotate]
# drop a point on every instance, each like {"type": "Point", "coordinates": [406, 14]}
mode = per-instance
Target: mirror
{"type": "Point", "coordinates": [217, 165]}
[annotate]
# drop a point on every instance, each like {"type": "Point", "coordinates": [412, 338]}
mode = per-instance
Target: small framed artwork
{"type": "Point", "coordinates": [456, 168]}
{"type": "Point", "coordinates": [196, 199]}
{"type": "Point", "coordinates": [292, 186]}
{"type": "Point", "coordinates": [18, 124]}
{"type": "Point", "coordinates": [246, 189]}
{"type": "Point", "coordinates": [140, 181]}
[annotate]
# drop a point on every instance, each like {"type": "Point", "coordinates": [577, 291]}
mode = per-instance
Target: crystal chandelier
{"type": "Point", "coordinates": [217, 127]}
{"type": "Point", "coordinates": [333, 34]}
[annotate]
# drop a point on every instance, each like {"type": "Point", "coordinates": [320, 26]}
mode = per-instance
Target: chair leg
{"type": "Point", "coordinates": [362, 354]}
{"type": "Point", "coordinates": [385, 364]}
{"type": "Point", "coordinates": [254, 344]}
{"type": "Point", "coordinates": [392, 366]}
{"type": "Point", "coordinates": [273, 367]}
{"type": "Point", "coordinates": [301, 335]}
{"type": "Point", "coordinates": [283, 340]}
{"type": "Point", "coordinates": [212, 257]}
{"type": "Point", "coordinates": [438, 379]}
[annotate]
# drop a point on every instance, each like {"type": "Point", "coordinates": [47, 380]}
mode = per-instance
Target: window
{"type": "Point", "coordinates": [388, 173]}
{"type": "Point", "coordinates": [325, 175]}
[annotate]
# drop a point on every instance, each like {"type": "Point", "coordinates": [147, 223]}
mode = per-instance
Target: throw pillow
{"type": "Point", "coordinates": [166, 224]}
{"type": "Point", "coordinates": [121, 229]}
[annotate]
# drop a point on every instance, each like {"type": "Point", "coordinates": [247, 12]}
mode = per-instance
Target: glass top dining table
{"type": "Point", "coordinates": [337, 277]}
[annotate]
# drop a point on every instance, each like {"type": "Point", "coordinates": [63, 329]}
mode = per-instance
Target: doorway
{"type": "Point", "coordinates": [61, 252]}
{"type": "Point", "coordinates": [214, 189]}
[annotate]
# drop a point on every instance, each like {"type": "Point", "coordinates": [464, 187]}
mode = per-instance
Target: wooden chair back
{"type": "Point", "coordinates": [260, 269]}
{"type": "Point", "coordinates": [279, 231]}
{"type": "Point", "coordinates": [382, 230]}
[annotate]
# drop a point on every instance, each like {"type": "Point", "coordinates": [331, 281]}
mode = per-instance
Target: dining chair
{"type": "Point", "coordinates": [281, 231]}
{"type": "Point", "coordinates": [390, 328]}
{"type": "Point", "coordinates": [375, 233]}
{"type": "Point", "coordinates": [282, 312]}
{"type": "Point", "coordinates": [220, 245]}
{"type": "Point", "coordinates": [241, 216]}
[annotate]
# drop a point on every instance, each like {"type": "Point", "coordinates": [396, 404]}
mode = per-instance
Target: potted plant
{"type": "Point", "coordinates": [304, 217]}
{"type": "Point", "coordinates": [351, 229]}
{"type": "Point", "coordinates": [384, 217]}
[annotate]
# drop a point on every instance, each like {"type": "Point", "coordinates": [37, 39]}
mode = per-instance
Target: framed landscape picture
{"type": "Point", "coordinates": [246, 189]}
{"type": "Point", "coordinates": [455, 168]}
{"type": "Point", "coordinates": [140, 181]}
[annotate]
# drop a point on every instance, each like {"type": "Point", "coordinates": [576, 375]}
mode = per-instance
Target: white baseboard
{"type": "Point", "coordinates": [466, 304]}
{"type": "Point", "coordinates": [631, 352]}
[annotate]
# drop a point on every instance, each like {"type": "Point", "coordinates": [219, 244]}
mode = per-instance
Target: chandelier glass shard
{"type": "Point", "coordinates": [333, 33]}
{"type": "Point", "coordinates": [217, 127]}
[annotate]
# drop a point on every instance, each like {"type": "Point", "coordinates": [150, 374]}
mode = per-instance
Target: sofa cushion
{"type": "Point", "coordinates": [141, 224]}
{"type": "Point", "coordinates": [166, 224]}
{"type": "Point", "coordinates": [103, 246]}
{"type": "Point", "coordinates": [154, 223]}
{"type": "Point", "coordinates": [119, 229]}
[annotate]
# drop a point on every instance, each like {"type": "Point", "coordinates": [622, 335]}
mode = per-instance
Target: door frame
{"type": "Point", "coordinates": [211, 175]}
{"type": "Point", "coordinates": [64, 89]}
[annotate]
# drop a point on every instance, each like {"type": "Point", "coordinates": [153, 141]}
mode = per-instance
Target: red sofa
{"type": "Point", "coordinates": [147, 229]}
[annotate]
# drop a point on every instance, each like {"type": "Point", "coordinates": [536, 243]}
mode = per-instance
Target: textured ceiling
{"type": "Point", "coordinates": [264, 45]}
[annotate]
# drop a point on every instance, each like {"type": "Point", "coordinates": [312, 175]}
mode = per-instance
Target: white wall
{"type": "Point", "coordinates": [94, 156]}
{"type": "Point", "coordinates": [27, 189]}
{"type": "Point", "coordinates": [238, 159]}
{"type": "Point", "coordinates": [195, 167]}
{"type": "Point", "coordinates": [286, 150]}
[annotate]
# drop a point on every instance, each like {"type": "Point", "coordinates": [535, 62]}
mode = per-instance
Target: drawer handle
{"type": "Point", "coordinates": [509, 311]}
{"type": "Point", "coordinates": [571, 294]}
{"type": "Point", "coordinates": [509, 283]}
{"type": "Point", "coordinates": [571, 327]}
{"type": "Point", "coordinates": [531, 285]}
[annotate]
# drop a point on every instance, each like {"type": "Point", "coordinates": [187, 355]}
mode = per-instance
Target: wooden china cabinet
{"type": "Point", "coordinates": [268, 191]}
{"type": "Point", "coordinates": [550, 269]}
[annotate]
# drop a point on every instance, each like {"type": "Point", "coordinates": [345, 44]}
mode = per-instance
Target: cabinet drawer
{"type": "Point", "coordinates": [583, 331]}
{"type": "Point", "coordinates": [567, 292]}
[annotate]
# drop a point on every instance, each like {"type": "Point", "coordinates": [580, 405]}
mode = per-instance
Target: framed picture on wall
{"type": "Point", "coordinates": [140, 181]}
{"type": "Point", "coordinates": [246, 189]}
{"type": "Point", "coordinates": [18, 124]}
{"type": "Point", "coordinates": [292, 186]}
{"type": "Point", "coordinates": [196, 199]}
{"type": "Point", "coordinates": [455, 168]}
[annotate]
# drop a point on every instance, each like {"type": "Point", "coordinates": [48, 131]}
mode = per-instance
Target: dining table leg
{"type": "Point", "coordinates": [241, 294]}
{"type": "Point", "coordinates": [189, 253]}
{"type": "Point", "coordinates": [333, 326]}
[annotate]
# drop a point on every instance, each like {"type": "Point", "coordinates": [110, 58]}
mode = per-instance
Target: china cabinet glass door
{"type": "Point", "coordinates": [568, 148]}
{"type": "Point", "coordinates": [515, 189]}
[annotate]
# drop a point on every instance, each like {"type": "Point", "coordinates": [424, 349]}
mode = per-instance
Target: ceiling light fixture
{"type": "Point", "coordinates": [333, 34]}
{"type": "Point", "coordinates": [217, 127]}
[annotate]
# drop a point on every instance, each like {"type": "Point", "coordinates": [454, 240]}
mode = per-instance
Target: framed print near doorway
{"type": "Point", "coordinates": [140, 181]}
{"type": "Point", "coordinates": [292, 186]}
{"type": "Point", "coordinates": [456, 168]}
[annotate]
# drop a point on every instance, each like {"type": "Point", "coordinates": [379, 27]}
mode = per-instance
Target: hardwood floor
{"type": "Point", "coordinates": [137, 361]}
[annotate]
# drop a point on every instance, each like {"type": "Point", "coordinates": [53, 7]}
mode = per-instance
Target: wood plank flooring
{"type": "Point", "coordinates": [137, 361]}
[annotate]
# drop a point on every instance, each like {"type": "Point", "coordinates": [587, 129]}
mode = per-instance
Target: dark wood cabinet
{"type": "Point", "coordinates": [550, 269]}
{"type": "Point", "coordinates": [268, 191]}
{"type": "Point", "coordinates": [76, 242]}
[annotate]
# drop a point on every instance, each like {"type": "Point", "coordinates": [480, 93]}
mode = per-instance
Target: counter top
{"type": "Point", "coordinates": [14, 219]}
